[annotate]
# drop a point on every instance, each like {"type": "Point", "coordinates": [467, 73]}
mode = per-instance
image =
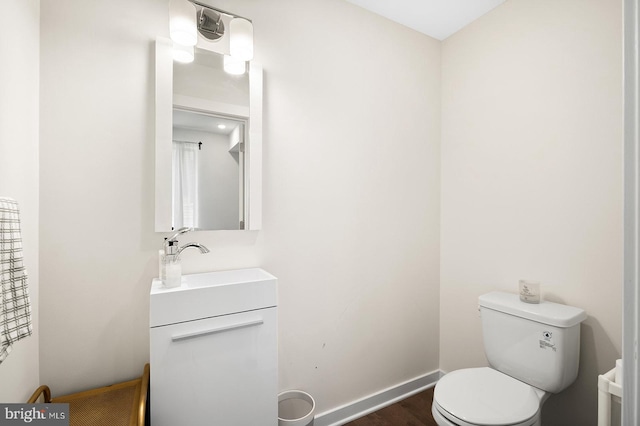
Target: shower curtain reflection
{"type": "Point", "coordinates": [185, 185]}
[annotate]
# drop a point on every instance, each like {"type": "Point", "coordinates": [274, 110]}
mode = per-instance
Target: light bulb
{"type": "Point", "coordinates": [241, 39]}
{"type": "Point", "coordinates": [182, 22]}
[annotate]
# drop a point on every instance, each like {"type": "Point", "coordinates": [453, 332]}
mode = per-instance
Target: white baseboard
{"type": "Point", "coordinates": [369, 404]}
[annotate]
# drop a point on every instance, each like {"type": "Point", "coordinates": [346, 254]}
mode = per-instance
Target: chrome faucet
{"type": "Point", "coordinates": [177, 234]}
{"type": "Point", "coordinates": [202, 248]}
{"type": "Point", "coordinates": [171, 244]}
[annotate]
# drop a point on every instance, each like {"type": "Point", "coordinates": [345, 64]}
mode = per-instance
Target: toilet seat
{"type": "Point", "coordinates": [483, 397]}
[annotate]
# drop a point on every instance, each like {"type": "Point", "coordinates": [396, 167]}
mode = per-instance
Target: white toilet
{"type": "Point", "coordinates": [533, 351]}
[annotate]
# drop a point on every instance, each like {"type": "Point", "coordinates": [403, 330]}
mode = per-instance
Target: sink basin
{"type": "Point", "coordinates": [212, 294]}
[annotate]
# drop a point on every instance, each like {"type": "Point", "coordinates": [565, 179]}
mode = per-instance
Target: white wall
{"type": "Point", "coordinates": [532, 177]}
{"type": "Point", "coordinates": [19, 84]}
{"type": "Point", "coordinates": [351, 193]}
{"type": "Point", "coordinates": [351, 202]}
{"type": "Point", "coordinates": [98, 248]}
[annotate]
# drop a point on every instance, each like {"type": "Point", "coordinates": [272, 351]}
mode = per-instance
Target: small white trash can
{"type": "Point", "coordinates": [295, 408]}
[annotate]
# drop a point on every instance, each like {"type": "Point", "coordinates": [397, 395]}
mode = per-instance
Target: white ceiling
{"type": "Point", "coordinates": [436, 18]}
{"type": "Point", "coordinates": [192, 120]}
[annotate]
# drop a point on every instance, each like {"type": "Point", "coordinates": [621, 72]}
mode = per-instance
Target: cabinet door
{"type": "Point", "coordinates": [219, 371]}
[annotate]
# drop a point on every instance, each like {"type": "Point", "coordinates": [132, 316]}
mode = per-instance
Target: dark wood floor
{"type": "Point", "coordinates": [413, 411]}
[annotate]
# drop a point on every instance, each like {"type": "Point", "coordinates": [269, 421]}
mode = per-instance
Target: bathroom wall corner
{"type": "Point", "coordinates": [19, 173]}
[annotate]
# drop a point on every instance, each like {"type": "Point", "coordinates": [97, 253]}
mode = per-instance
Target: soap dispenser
{"type": "Point", "coordinates": [171, 274]}
{"type": "Point", "coordinates": [170, 269]}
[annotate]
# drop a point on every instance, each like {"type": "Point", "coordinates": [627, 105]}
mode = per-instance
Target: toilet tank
{"type": "Point", "coordinates": [538, 344]}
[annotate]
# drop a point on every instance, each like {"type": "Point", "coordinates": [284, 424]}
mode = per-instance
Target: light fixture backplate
{"type": "Point", "coordinates": [210, 24]}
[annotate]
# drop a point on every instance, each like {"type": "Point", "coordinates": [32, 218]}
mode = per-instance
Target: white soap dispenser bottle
{"type": "Point", "coordinates": [171, 274]}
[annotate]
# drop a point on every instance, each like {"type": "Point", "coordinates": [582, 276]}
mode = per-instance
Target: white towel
{"type": "Point", "coordinates": [15, 308]}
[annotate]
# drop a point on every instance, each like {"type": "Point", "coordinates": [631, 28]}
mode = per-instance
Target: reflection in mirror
{"type": "Point", "coordinates": [216, 187]}
{"type": "Point", "coordinates": [208, 171]}
{"type": "Point", "coordinates": [207, 188]}
{"type": "Point", "coordinates": [205, 79]}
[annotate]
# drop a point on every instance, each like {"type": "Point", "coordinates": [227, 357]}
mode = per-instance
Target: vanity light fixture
{"type": "Point", "coordinates": [234, 66]}
{"type": "Point", "coordinates": [182, 54]}
{"type": "Point", "coordinates": [186, 21]}
{"type": "Point", "coordinates": [211, 27]}
{"type": "Point", "coordinates": [182, 22]}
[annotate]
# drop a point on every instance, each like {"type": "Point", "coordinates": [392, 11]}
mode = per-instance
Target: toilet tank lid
{"type": "Point", "coordinates": [545, 312]}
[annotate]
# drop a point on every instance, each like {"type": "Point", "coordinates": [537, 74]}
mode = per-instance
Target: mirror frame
{"type": "Point", "coordinates": [164, 103]}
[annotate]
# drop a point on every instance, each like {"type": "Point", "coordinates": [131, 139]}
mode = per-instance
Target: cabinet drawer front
{"type": "Point", "coordinates": [216, 371]}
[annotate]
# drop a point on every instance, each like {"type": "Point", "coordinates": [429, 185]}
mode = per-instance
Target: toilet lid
{"type": "Point", "coordinates": [483, 396]}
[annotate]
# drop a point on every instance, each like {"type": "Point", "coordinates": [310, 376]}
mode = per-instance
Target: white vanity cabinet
{"type": "Point", "coordinates": [214, 350]}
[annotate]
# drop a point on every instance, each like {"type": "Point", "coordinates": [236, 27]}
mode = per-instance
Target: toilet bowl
{"type": "Point", "coordinates": [533, 351]}
{"type": "Point", "coordinates": [483, 397]}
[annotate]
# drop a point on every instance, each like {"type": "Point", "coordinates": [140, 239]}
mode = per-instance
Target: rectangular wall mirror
{"type": "Point", "coordinates": [208, 143]}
